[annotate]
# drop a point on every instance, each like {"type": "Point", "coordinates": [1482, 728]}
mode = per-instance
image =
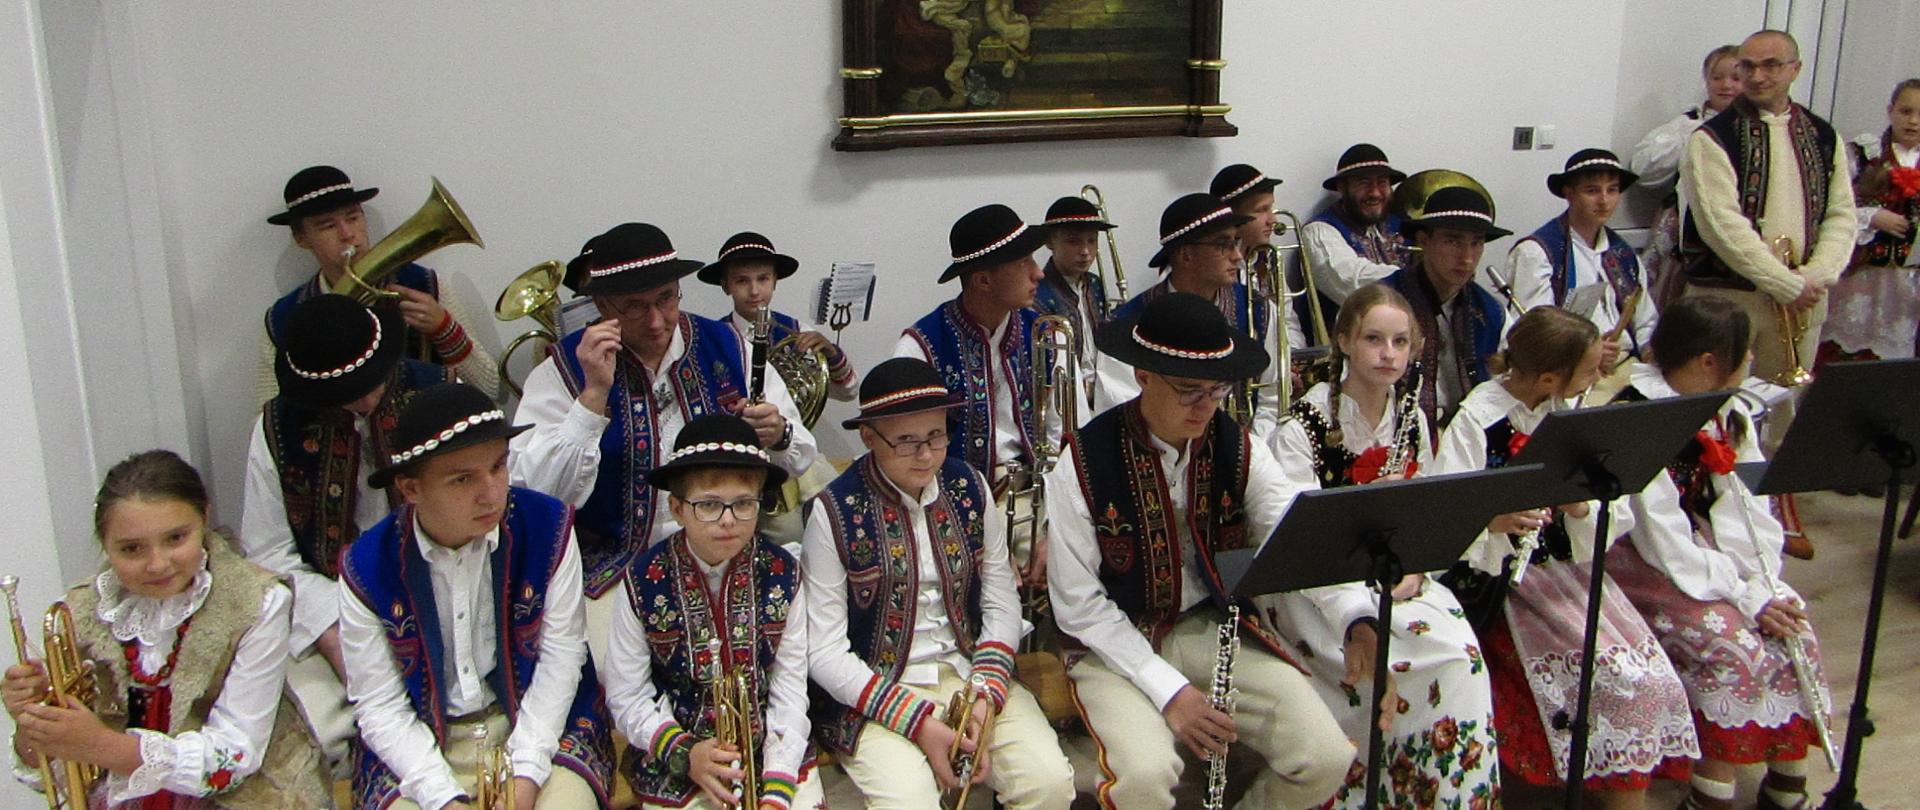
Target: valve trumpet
{"type": "Point", "coordinates": [733, 721]}
{"type": "Point", "coordinates": [1091, 193]}
{"type": "Point", "coordinates": [535, 293]}
{"type": "Point", "coordinates": [70, 681]}
{"type": "Point", "coordinates": [493, 774]}
{"type": "Point", "coordinates": [439, 222]}
{"type": "Point", "coordinates": [1793, 324]}
{"type": "Point", "coordinates": [959, 713]}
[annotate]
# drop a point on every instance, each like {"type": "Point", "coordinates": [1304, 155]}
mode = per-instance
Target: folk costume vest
{"type": "Point", "coordinates": [1134, 523]}
{"type": "Point", "coordinates": [875, 541]}
{"type": "Point", "coordinates": [1236, 310]}
{"type": "Point", "coordinates": [1382, 244]}
{"type": "Point", "coordinates": [1478, 320]}
{"type": "Point", "coordinates": [1739, 131]}
{"type": "Point", "coordinates": [318, 452]}
{"type": "Point", "coordinates": [1482, 595]}
{"type": "Point", "coordinates": [1619, 262]}
{"type": "Point", "coordinates": [958, 348]}
{"type": "Point", "coordinates": [1057, 297]}
{"type": "Point", "coordinates": [410, 275]}
{"type": "Point", "coordinates": [693, 639]}
{"type": "Point", "coordinates": [1875, 186]}
{"type": "Point", "coordinates": [1333, 463]}
{"type": "Point", "coordinates": [293, 774]}
{"type": "Point", "coordinates": [387, 572]}
{"type": "Point", "coordinates": [1699, 460]}
{"type": "Point", "coordinates": [616, 522]}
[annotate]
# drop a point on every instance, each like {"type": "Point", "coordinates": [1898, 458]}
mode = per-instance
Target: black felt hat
{"type": "Point", "coordinates": [1239, 180]}
{"type": "Point", "coordinates": [747, 246]}
{"type": "Point", "coordinates": [1191, 217]}
{"type": "Point", "coordinates": [633, 257]}
{"type": "Point", "coordinates": [575, 278]}
{"type": "Point", "coordinates": [317, 190]}
{"type": "Point", "coordinates": [1363, 158]}
{"type": "Point", "coordinates": [990, 235]}
{"type": "Point", "coordinates": [899, 386]}
{"type": "Point", "coordinates": [335, 350]}
{"type": "Point", "coordinates": [1457, 208]}
{"type": "Point", "coordinates": [1183, 335]}
{"type": "Point", "coordinates": [716, 440]}
{"type": "Point", "coordinates": [442, 419]}
{"type": "Point", "coordinates": [1075, 212]}
{"type": "Point", "coordinates": [1590, 160]}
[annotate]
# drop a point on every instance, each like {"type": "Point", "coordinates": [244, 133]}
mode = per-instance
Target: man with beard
{"type": "Point", "coordinates": [1356, 241]}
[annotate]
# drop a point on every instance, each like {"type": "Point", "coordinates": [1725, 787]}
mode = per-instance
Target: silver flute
{"type": "Point", "coordinates": [1220, 697]}
{"type": "Point", "coordinates": [1525, 546]}
{"type": "Point", "coordinates": [1817, 703]}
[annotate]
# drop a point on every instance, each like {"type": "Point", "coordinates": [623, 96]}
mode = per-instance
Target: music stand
{"type": "Point", "coordinates": [1602, 454]}
{"type": "Point", "coordinates": [1374, 534]}
{"type": "Point", "coordinates": [1856, 427]}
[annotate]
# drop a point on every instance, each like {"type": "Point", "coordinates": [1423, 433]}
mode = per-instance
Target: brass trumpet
{"type": "Point", "coordinates": [493, 774]}
{"type": "Point", "coordinates": [1091, 193]}
{"type": "Point", "coordinates": [438, 223]}
{"type": "Point", "coordinates": [1793, 325]}
{"type": "Point", "coordinates": [1055, 387]}
{"type": "Point", "coordinates": [70, 682]}
{"type": "Point", "coordinates": [733, 714]}
{"type": "Point", "coordinates": [959, 712]}
{"type": "Point", "coordinates": [534, 293]}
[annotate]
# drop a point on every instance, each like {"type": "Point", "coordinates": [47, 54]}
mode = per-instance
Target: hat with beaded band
{"type": "Point", "coordinates": [438, 420]}
{"type": "Point", "coordinates": [716, 440]}
{"type": "Point", "coordinates": [335, 350]}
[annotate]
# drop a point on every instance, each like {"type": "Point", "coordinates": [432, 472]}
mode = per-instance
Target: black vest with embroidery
{"type": "Point", "coordinates": [1739, 131]}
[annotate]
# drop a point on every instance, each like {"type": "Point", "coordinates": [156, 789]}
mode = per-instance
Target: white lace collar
{"type": "Point", "coordinates": [131, 616]}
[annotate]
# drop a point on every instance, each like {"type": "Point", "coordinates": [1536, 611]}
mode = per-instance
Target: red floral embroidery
{"type": "Point", "coordinates": [1715, 454]}
{"type": "Point", "coordinates": [218, 780]}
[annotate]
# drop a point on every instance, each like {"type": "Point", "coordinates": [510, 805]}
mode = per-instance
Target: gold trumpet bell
{"type": "Point", "coordinates": [531, 294]}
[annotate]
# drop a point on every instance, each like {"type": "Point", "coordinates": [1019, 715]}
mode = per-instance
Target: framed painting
{"type": "Point", "coordinates": [942, 72]}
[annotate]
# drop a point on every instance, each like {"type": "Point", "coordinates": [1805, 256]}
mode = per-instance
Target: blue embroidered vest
{"type": "Point", "coordinates": [1620, 263]}
{"type": "Point", "coordinates": [616, 522]}
{"type": "Point", "coordinates": [409, 275]}
{"type": "Point", "coordinates": [317, 454]}
{"type": "Point", "coordinates": [685, 629]}
{"type": "Point", "coordinates": [1056, 297]}
{"type": "Point", "coordinates": [958, 347]}
{"type": "Point", "coordinates": [1739, 132]}
{"type": "Point", "coordinates": [386, 571]}
{"type": "Point", "coordinates": [1477, 320]}
{"type": "Point", "coordinates": [1390, 248]}
{"type": "Point", "coordinates": [874, 537]}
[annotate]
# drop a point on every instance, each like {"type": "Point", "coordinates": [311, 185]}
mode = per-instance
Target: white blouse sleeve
{"type": "Point", "coordinates": [230, 746]}
{"type": "Point", "coordinates": [560, 456]}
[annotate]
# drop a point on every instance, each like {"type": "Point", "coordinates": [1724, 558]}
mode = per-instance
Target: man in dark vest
{"type": "Point", "coordinates": [342, 381]}
{"type": "Point", "coordinates": [910, 600]}
{"type": "Point", "coordinates": [1356, 241]}
{"type": "Point", "coordinates": [1146, 495]}
{"type": "Point", "coordinates": [323, 209]}
{"type": "Point", "coordinates": [462, 627]}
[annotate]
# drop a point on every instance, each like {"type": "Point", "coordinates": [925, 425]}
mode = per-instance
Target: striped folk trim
{"type": "Point", "coordinates": [669, 737]}
{"type": "Point", "coordinates": [995, 661]}
{"type": "Point", "coordinates": [895, 707]}
{"type": "Point", "coordinates": [777, 790]}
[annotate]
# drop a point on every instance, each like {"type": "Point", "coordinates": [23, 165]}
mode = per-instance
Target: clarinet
{"type": "Point", "coordinates": [1220, 697]}
{"type": "Point", "coordinates": [762, 343]}
{"type": "Point", "coordinates": [1403, 452]}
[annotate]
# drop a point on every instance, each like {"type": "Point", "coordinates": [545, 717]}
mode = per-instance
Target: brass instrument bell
{"type": "Point", "coordinates": [439, 222]}
{"type": "Point", "coordinates": [534, 293]}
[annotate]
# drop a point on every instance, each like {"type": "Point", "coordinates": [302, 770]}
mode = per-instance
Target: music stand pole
{"type": "Point", "coordinates": [1606, 489]}
{"type": "Point", "coordinates": [1384, 573]}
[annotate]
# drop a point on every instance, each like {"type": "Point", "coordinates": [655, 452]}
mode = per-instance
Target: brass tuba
{"type": "Point", "coordinates": [534, 293]}
{"type": "Point", "coordinates": [1091, 193]}
{"type": "Point", "coordinates": [1410, 197]}
{"type": "Point", "coordinates": [70, 681]}
{"type": "Point", "coordinates": [493, 774]}
{"type": "Point", "coordinates": [734, 709]}
{"type": "Point", "coordinates": [1793, 325]}
{"type": "Point", "coordinates": [437, 224]}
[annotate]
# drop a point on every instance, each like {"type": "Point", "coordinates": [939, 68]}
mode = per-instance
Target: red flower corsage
{"type": "Point", "coordinates": [1366, 468]}
{"type": "Point", "coordinates": [1715, 454]}
{"type": "Point", "coordinates": [1517, 443]}
{"type": "Point", "coordinates": [1905, 182]}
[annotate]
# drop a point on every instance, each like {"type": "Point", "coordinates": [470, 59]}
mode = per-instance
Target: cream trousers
{"type": "Point", "coordinates": [564, 789]}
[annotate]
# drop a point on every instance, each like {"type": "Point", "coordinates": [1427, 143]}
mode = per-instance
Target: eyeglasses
{"type": "Point", "coordinates": [633, 306]}
{"type": "Point", "coordinates": [743, 510]}
{"type": "Point", "coordinates": [909, 448]}
{"type": "Point", "coordinates": [1769, 66]}
{"type": "Point", "coordinates": [1229, 245]}
{"type": "Point", "coordinates": [1189, 397]}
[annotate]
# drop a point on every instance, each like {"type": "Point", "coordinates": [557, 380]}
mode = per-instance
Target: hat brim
{"type": "Point", "coordinates": [1165, 253]}
{"type": "Point", "coordinates": [1467, 224]}
{"type": "Point", "coordinates": [1557, 183]}
{"type": "Point", "coordinates": [661, 477]}
{"type": "Point", "coordinates": [640, 279]}
{"type": "Point", "coordinates": [337, 391]}
{"type": "Point", "coordinates": [1394, 176]}
{"type": "Point", "coordinates": [1247, 359]}
{"type": "Point", "coordinates": [783, 266]}
{"type": "Point", "coordinates": [1266, 185]}
{"type": "Point", "coordinates": [1025, 244]}
{"type": "Point", "coordinates": [498, 429]}
{"type": "Point", "coordinates": [323, 204]}
{"type": "Point", "coordinates": [902, 409]}
{"type": "Point", "coordinates": [1079, 225]}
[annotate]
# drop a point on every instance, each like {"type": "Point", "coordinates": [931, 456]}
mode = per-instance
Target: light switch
{"type": "Point", "coordinates": [1544, 136]}
{"type": "Point", "coordinates": [1522, 138]}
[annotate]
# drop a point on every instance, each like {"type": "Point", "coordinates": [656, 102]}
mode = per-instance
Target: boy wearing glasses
{"type": "Point", "coordinates": [715, 599]}
{"type": "Point", "coordinates": [1462, 322]}
{"type": "Point", "coordinates": [1201, 248]}
{"type": "Point", "coordinates": [1146, 495]}
{"type": "Point", "coordinates": [911, 600]}
{"type": "Point", "coordinates": [609, 400]}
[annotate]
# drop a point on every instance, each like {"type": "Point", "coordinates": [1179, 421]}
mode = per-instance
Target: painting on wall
{"type": "Point", "coordinates": [941, 72]}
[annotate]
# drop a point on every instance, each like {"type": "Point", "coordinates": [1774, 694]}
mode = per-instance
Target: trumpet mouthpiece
{"type": "Point", "coordinates": [9, 583]}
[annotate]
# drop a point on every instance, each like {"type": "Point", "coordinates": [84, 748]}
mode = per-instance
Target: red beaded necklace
{"type": "Point", "coordinates": [132, 650]}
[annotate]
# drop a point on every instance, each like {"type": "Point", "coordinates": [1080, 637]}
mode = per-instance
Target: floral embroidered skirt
{"type": "Point", "coordinates": [1746, 700]}
{"type": "Point", "coordinates": [1640, 727]}
{"type": "Point", "coordinates": [1440, 752]}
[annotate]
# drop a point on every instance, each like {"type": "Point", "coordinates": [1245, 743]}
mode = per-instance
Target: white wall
{"type": "Point", "coordinates": [1876, 55]}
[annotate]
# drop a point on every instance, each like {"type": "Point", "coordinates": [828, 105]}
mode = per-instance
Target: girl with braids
{"type": "Point", "coordinates": [189, 647]}
{"type": "Point", "coordinates": [1698, 565]}
{"type": "Point", "coordinates": [1532, 631]}
{"type": "Point", "coordinates": [1365, 425]}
